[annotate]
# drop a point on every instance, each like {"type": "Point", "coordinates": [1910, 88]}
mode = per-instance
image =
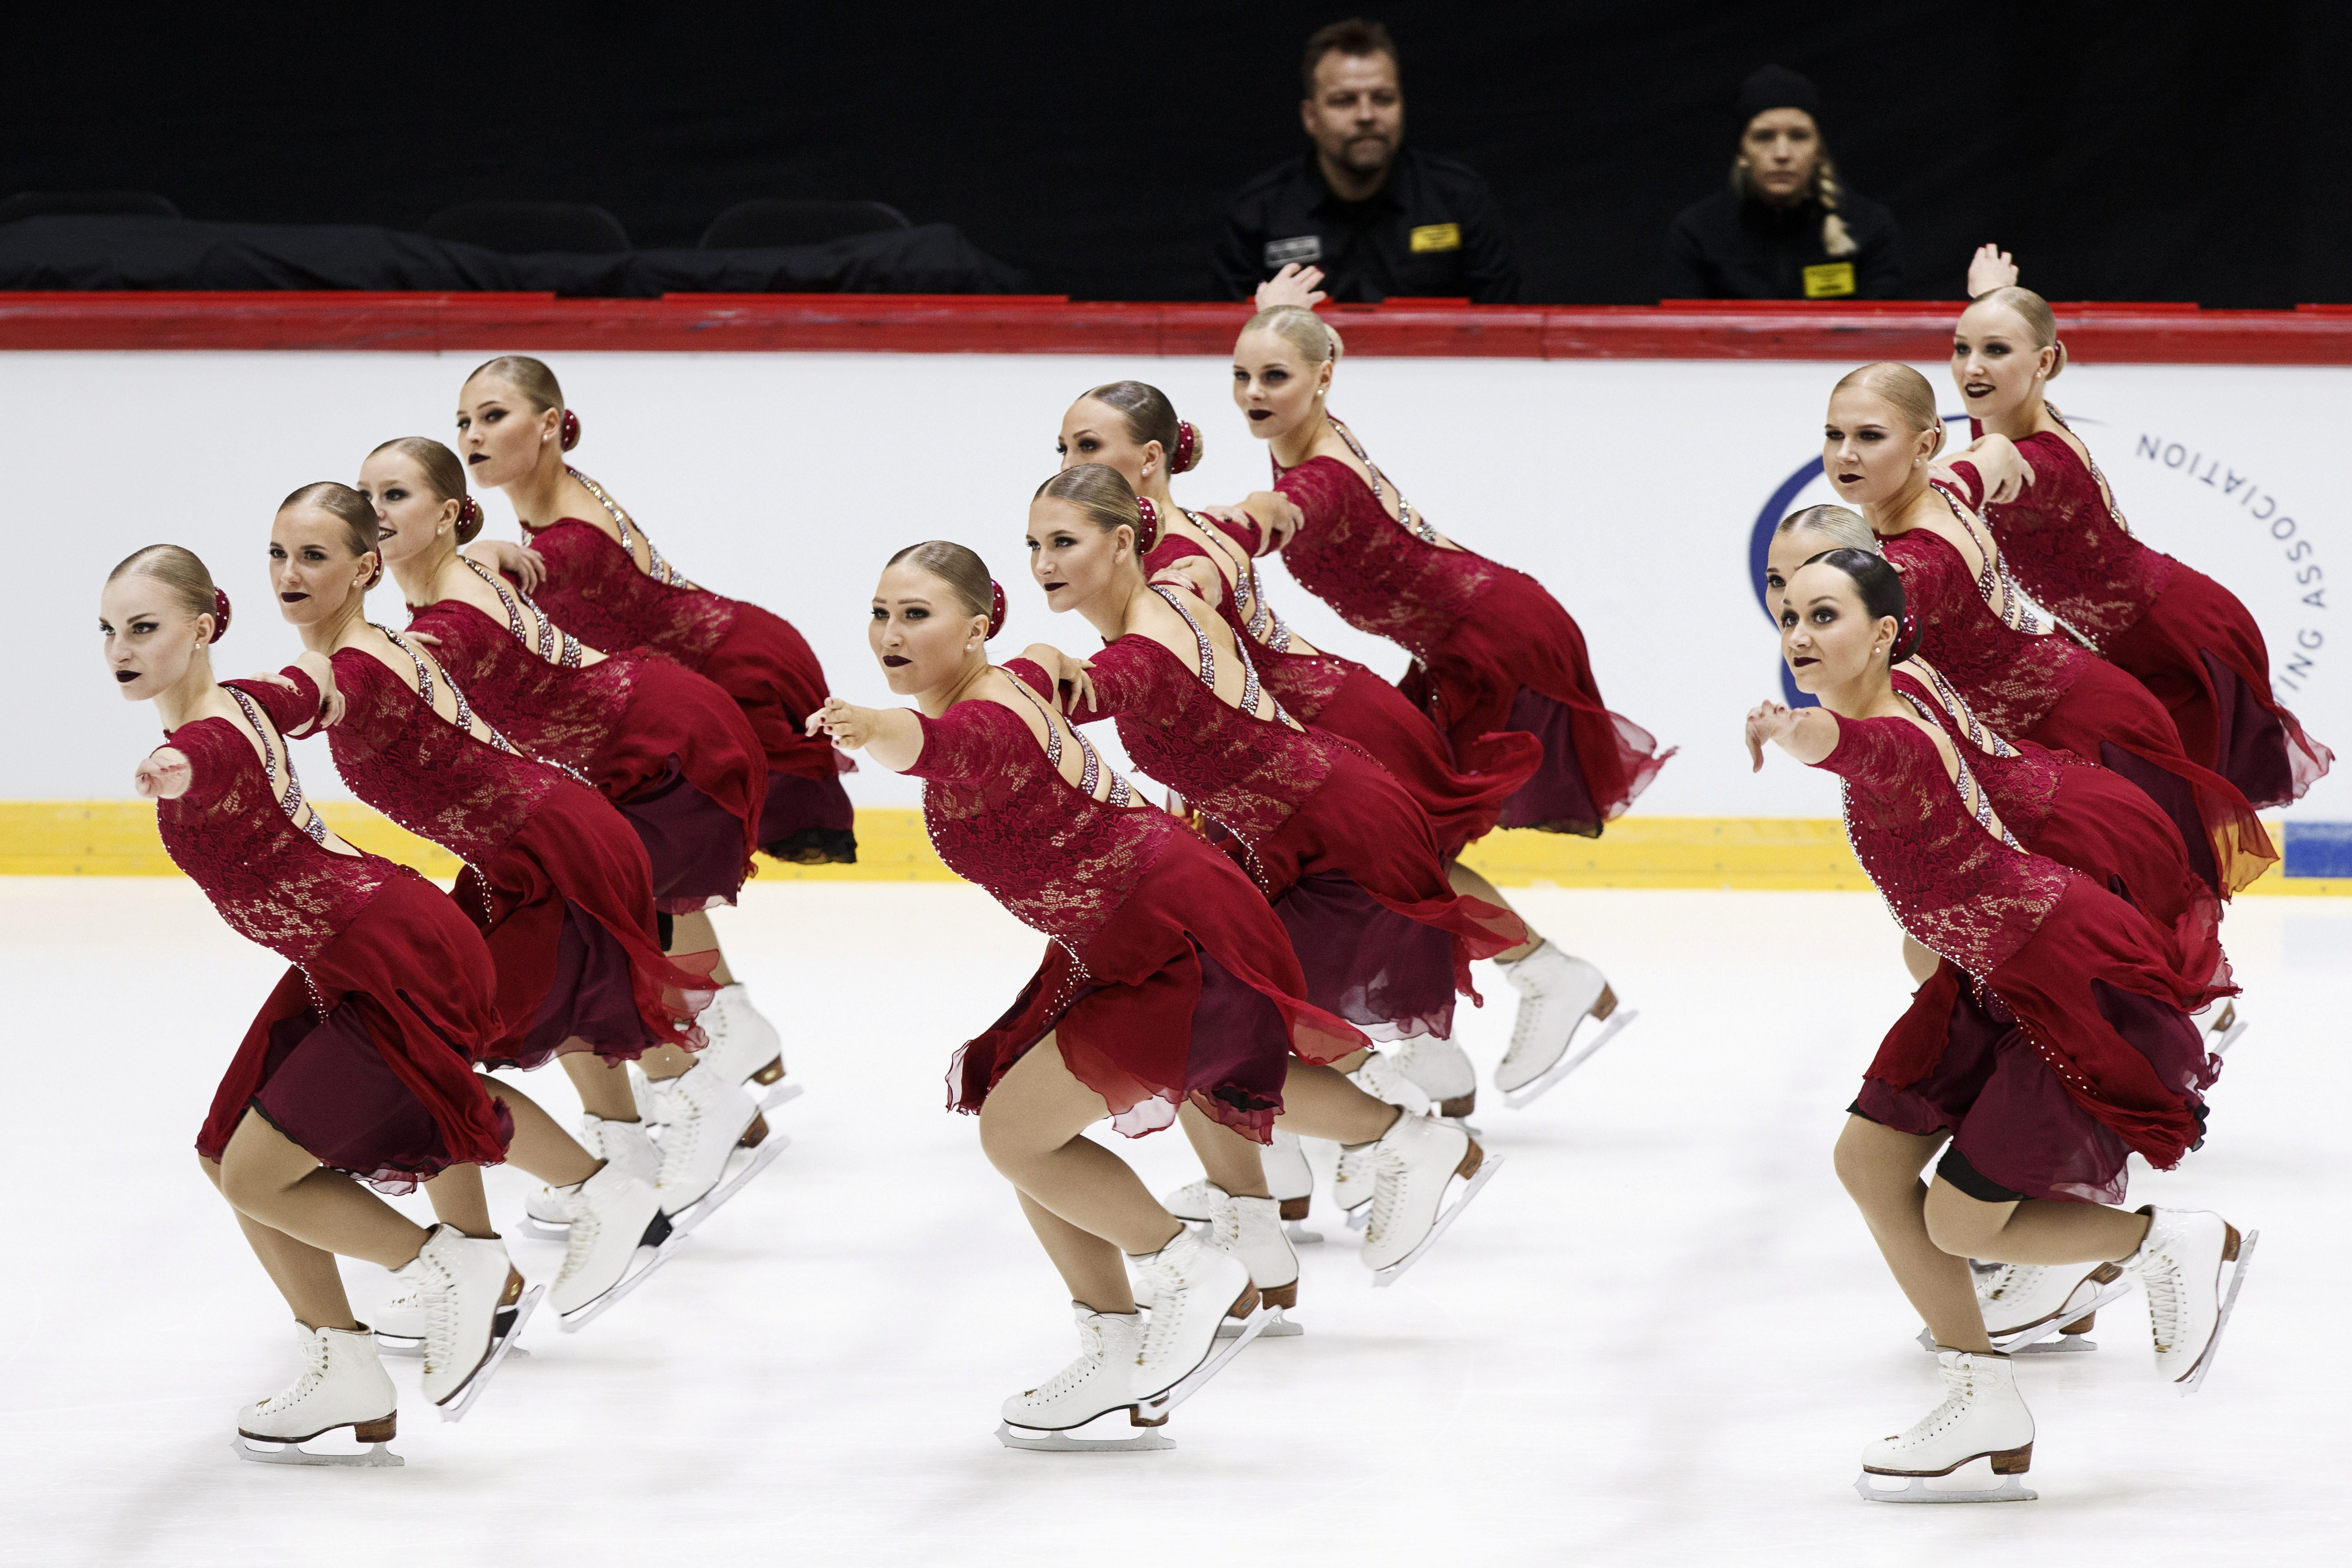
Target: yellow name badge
{"type": "Point", "coordinates": [1829, 280]}
{"type": "Point", "coordinates": [1446, 236]}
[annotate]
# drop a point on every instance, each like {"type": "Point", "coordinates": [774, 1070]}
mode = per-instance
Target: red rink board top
{"type": "Point", "coordinates": [1849, 332]}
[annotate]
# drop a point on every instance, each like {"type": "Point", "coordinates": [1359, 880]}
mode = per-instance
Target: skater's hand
{"type": "Point", "coordinates": [1766, 721]}
{"type": "Point", "coordinates": [892, 737]}
{"type": "Point", "coordinates": [1196, 575]}
{"type": "Point", "coordinates": [520, 562]}
{"type": "Point", "coordinates": [1294, 285]}
{"type": "Point", "coordinates": [1072, 684]}
{"type": "Point", "coordinates": [847, 725]}
{"type": "Point", "coordinates": [164, 774]}
{"type": "Point", "coordinates": [1276, 514]}
{"type": "Point", "coordinates": [1989, 269]}
{"type": "Point", "coordinates": [2000, 466]}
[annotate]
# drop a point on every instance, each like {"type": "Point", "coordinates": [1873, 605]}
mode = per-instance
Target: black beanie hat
{"type": "Point", "coordinates": [1777, 86]}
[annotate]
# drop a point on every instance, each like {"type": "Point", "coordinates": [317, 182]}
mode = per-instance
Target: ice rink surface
{"type": "Point", "coordinates": [1661, 1336]}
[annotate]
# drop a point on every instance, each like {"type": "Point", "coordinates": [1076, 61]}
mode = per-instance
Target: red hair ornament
{"type": "Point", "coordinates": [220, 616]}
{"type": "Point", "coordinates": [1148, 534]}
{"type": "Point", "coordinates": [1188, 448]}
{"type": "Point", "coordinates": [996, 606]}
{"type": "Point", "coordinates": [571, 431]}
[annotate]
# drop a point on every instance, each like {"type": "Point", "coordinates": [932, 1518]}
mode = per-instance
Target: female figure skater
{"type": "Point", "coordinates": [671, 752]}
{"type": "Point", "coordinates": [1168, 985]}
{"type": "Point", "coordinates": [358, 1069]}
{"type": "Point", "coordinates": [1492, 651]}
{"type": "Point", "coordinates": [561, 887]}
{"type": "Point", "coordinates": [2079, 1054]}
{"type": "Point", "coordinates": [1133, 428]}
{"type": "Point", "coordinates": [2177, 632]}
{"type": "Point", "coordinates": [1881, 433]}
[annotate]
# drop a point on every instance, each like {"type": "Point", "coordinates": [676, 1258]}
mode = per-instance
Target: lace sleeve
{"type": "Point", "coordinates": [1249, 533]}
{"type": "Point", "coordinates": [1879, 754]}
{"type": "Point", "coordinates": [1122, 680]}
{"type": "Point", "coordinates": [293, 712]}
{"type": "Point", "coordinates": [961, 746]}
{"type": "Point", "coordinates": [212, 747]}
{"type": "Point", "coordinates": [1971, 481]}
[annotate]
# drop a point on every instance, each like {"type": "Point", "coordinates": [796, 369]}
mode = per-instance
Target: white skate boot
{"type": "Point", "coordinates": [1250, 1229]}
{"type": "Point", "coordinates": [701, 1118]}
{"type": "Point", "coordinates": [1193, 1289]}
{"type": "Point", "coordinates": [1440, 1069]}
{"type": "Point", "coordinates": [1979, 1441]}
{"type": "Point", "coordinates": [2179, 1266]}
{"type": "Point", "coordinates": [1102, 1380]}
{"type": "Point", "coordinates": [2038, 1308]}
{"type": "Point", "coordinates": [745, 1047]}
{"type": "Point", "coordinates": [1351, 1184]}
{"type": "Point", "coordinates": [616, 1214]}
{"type": "Point", "coordinates": [546, 1212]}
{"type": "Point", "coordinates": [1412, 1164]}
{"type": "Point", "coordinates": [342, 1384]}
{"type": "Point", "coordinates": [1291, 1180]}
{"type": "Point", "coordinates": [1557, 993]}
{"type": "Point", "coordinates": [475, 1307]}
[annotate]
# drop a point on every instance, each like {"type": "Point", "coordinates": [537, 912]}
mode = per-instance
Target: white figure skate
{"type": "Point", "coordinates": [545, 1214]}
{"type": "Point", "coordinates": [342, 1384]}
{"type": "Point", "coordinates": [1193, 1287]}
{"type": "Point", "coordinates": [1412, 1164]}
{"type": "Point", "coordinates": [1250, 1229]}
{"type": "Point", "coordinates": [745, 1047]}
{"type": "Point", "coordinates": [702, 1118]}
{"type": "Point", "coordinates": [2032, 1308]}
{"type": "Point", "coordinates": [1352, 1186]}
{"type": "Point", "coordinates": [1978, 1442]}
{"type": "Point", "coordinates": [2179, 1266]}
{"type": "Point", "coordinates": [616, 1222]}
{"type": "Point", "coordinates": [1288, 1177]}
{"type": "Point", "coordinates": [1441, 1069]}
{"type": "Point", "coordinates": [1100, 1381]}
{"type": "Point", "coordinates": [1557, 994]}
{"type": "Point", "coordinates": [475, 1307]}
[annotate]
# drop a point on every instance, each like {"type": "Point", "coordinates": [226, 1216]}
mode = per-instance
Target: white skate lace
{"type": "Point", "coordinates": [1225, 1224]}
{"type": "Point", "coordinates": [1091, 1358]}
{"type": "Point", "coordinates": [1389, 1174]}
{"type": "Point", "coordinates": [1959, 1390]}
{"type": "Point", "coordinates": [2160, 1278]}
{"type": "Point", "coordinates": [586, 1224]}
{"type": "Point", "coordinates": [2009, 1279]}
{"type": "Point", "coordinates": [438, 1294]}
{"type": "Point", "coordinates": [1531, 1006]}
{"type": "Point", "coordinates": [314, 1348]}
{"type": "Point", "coordinates": [1166, 1285]}
{"type": "Point", "coordinates": [681, 1120]}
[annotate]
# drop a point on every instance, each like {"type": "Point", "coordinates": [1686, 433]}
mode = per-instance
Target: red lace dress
{"type": "Point", "coordinates": [1335, 842]}
{"type": "Point", "coordinates": [1492, 650]}
{"type": "Point", "coordinates": [363, 1053]}
{"type": "Point", "coordinates": [2177, 632]}
{"type": "Point", "coordinates": [558, 885]}
{"type": "Point", "coordinates": [1339, 695]}
{"type": "Point", "coordinates": [594, 590]}
{"type": "Point", "coordinates": [2050, 690]}
{"type": "Point", "coordinates": [1168, 978]}
{"type": "Point", "coordinates": [2054, 1039]}
{"type": "Point", "coordinates": [2084, 817]}
{"type": "Point", "coordinates": [667, 747]}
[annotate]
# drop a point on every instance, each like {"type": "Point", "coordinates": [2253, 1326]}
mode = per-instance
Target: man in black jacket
{"type": "Point", "coordinates": [1379, 218]}
{"type": "Point", "coordinates": [1787, 228]}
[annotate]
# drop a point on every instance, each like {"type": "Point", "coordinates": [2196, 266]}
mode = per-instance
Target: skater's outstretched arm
{"type": "Point", "coordinates": [893, 737]}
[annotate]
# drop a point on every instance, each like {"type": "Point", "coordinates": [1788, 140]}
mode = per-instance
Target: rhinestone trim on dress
{"type": "Point", "coordinates": [291, 802]}
{"type": "Point", "coordinates": [660, 570]}
{"type": "Point", "coordinates": [568, 656]}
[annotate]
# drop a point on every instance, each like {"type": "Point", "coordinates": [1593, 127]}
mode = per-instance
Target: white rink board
{"type": "Point", "coordinates": [1631, 487]}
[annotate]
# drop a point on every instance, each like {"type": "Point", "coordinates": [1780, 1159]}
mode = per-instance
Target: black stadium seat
{"type": "Point", "coordinates": [522, 228]}
{"type": "Point", "coordinates": [85, 203]}
{"type": "Point", "coordinates": [767, 223]}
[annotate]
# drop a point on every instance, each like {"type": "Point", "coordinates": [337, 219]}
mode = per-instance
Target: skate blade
{"type": "Point", "coordinates": [1277, 1328]}
{"type": "Point", "coordinates": [540, 1230]}
{"type": "Point", "coordinates": [1300, 1236]}
{"type": "Point", "coordinates": [579, 1318]}
{"type": "Point", "coordinates": [1971, 1482]}
{"type": "Point", "coordinates": [1520, 1099]}
{"type": "Point", "coordinates": [463, 1400]}
{"type": "Point", "coordinates": [401, 1344]}
{"type": "Point", "coordinates": [2229, 1038]}
{"type": "Point", "coordinates": [784, 1089]}
{"type": "Point", "coordinates": [2196, 1379]}
{"type": "Point", "coordinates": [2038, 1340]}
{"type": "Point", "coordinates": [1383, 1277]}
{"type": "Point", "coordinates": [1359, 1217]}
{"type": "Point", "coordinates": [377, 1456]}
{"type": "Point", "coordinates": [1038, 1442]}
{"type": "Point", "coordinates": [1161, 1405]}
{"type": "Point", "coordinates": [703, 1207]}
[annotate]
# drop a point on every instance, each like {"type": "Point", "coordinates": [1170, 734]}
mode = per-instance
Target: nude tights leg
{"type": "Point", "coordinates": [1468, 884]}
{"type": "Point", "coordinates": [604, 1087]}
{"type": "Point", "coordinates": [1232, 1161]}
{"type": "Point", "coordinates": [1032, 1129]}
{"type": "Point", "coordinates": [1880, 1169]}
{"type": "Point", "coordinates": [695, 933]}
{"type": "Point", "coordinates": [2031, 1230]}
{"type": "Point", "coordinates": [297, 1216]}
{"type": "Point", "coordinates": [1324, 1102]}
{"type": "Point", "coordinates": [540, 1147]}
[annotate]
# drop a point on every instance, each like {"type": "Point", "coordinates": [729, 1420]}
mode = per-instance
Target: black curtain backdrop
{"type": "Point", "coordinates": [2125, 150]}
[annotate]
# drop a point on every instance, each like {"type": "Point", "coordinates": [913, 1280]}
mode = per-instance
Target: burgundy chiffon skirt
{"type": "Point", "coordinates": [2199, 650]}
{"type": "Point", "coordinates": [1189, 994]}
{"type": "Point", "coordinates": [381, 1085]}
{"type": "Point", "coordinates": [2105, 827]}
{"type": "Point", "coordinates": [687, 769]}
{"type": "Point", "coordinates": [2095, 1001]}
{"type": "Point", "coordinates": [2109, 718]}
{"type": "Point", "coordinates": [772, 674]}
{"type": "Point", "coordinates": [1516, 662]}
{"type": "Point", "coordinates": [1462, 795]}
{"type": "Point", "coordinates": [566, 908]}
